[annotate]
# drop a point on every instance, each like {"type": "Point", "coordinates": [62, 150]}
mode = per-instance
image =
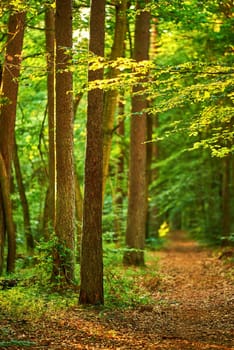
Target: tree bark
{"type": "Point", "coordinates": [151, 150]}
{"type": "Point", "coordinates": [110, 97]}
{"type": "Point", "coordinates": [7, 208]}
{"type": "Point", "coordinates": [79, 213]}
{"type": "Point", "coordinates": [9, 92]}
{"type": "Point", "coordinates": [24, 202]}
{"type": "Point", "coordinates": [119, 188]}
{"type": "Point", "coordinates": [64, 163]}
{"type": "Point", "coordinates": [49, 213]}
{"type": "Point", "coordinates": [91, 273]}
{"type": "Point", "coordinates": [226, 199]}
{"type": "Point", "coordinates": [136, 221]}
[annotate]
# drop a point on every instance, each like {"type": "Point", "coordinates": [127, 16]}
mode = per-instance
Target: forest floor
{"type": "Point", "coordinates": [192, 308]}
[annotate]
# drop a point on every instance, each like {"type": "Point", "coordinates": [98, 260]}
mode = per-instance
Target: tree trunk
{"type": "Point", "coordinates": [119, 188]}
{"type": "Point", "coordinates": [64, 170]}
{"type": "Point", "coordinates": [91, 273]}
{"type": "Point", "coordinates": [49, 213]}
{"type": "Point", "coordinates": [2, 235]}
{"type": "Point", "coordinates": [149, 156]}
{"type": "Point", "coordinates": [8, 217]}
{"type": "Point", "coordinates": [9, 92]}
{"type": "Point", "coordinates": [226, 192]}
{"type": "Point", "coordinates": [136, 221]}
{"type": "Point", "coordinates": [153, 216]}
{"type": "Point", "coordinates": [226, 199]}
{"type": "Point", "coordinates": [79, 213]}
{"type": "Point", "coordinates": [110, 97]}
{"type": "Point", "coordinates": [151, 147]}
{"type": "Point", "coordinates": [24, 202]}
{"type": "Point", "coordinates": [2, 224]}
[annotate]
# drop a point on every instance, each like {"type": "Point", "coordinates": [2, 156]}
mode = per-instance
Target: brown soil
{"type": "Point", "coordinates": [193, 309]}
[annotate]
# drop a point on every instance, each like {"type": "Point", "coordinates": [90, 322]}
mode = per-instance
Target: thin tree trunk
{"type": "Point", "coordinates": [226, 193]}
{"type": "Point", "coordinates": [2, 223]}
{"type": "Point", "coordinates": [24, 202]}
{"type": "Point", "coordinates": [7, 206]}
{"type": "Point", "coordinates": [9, 87]}
{"type": "Point", "coordinates": [49, 212]}
{"type": "Point", "coordinates": [226, 199]}
{"type": "Point", "coordinates": [149, 156]}
{"type": "Point", "coordinates": [91, 269]}
{"type": "Point", "coordinates": [152, 148]}
{"type": "Point", "coordinates": [154, 220]}
{"type": "Point", "coordinates": [79, 213]}
{"type": "Point", "coordinates": [119, 191]}
{"type": "Point", "coordinates": [110, 97]}
{"type": "Point", "coordinates": [2, 235]}
{"type": "Point", "coordinates": [136, 221]}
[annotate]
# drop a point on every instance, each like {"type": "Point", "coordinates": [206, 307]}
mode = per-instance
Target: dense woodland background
{"type": "Point", "coordinates": [116, 121]}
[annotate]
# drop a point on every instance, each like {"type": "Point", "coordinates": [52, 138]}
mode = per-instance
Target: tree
{"type": "Point", "coordinates": [119, 190]}
{"type": "Point", "coordinates": [91, 273]}
{"type": "Point", "coordinates": [9, 92]}
{"type": "Point", "coordinates": [49, 214]}
{"type": "Point", "coordinates": [136, 221]}
{"type": "Point", "coordinates": [25, 207]}
{"type": "Point", "coordinates": [110, 96]}
{"type": "Point", "coordinates": [64, 163]}
{"type": "Point", "coordinates": [194, 95]}
{"type": "Point", "coordinates": [151, 148]}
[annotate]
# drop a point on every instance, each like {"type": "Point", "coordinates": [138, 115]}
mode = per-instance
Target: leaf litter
{"type": "Point", "coordinates": [192, 309]}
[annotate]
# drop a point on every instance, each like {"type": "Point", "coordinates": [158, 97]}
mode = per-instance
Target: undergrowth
{"type": "Point", "coordinates": [34, 296]}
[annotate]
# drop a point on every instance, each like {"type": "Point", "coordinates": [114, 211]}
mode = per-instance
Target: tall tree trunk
{"type": "Point", "coordinates": [226, 199]}
{"type": "Point", "coordinates": [24, 202]}
{"type": "Point", "coordinates": [8, 217]}
{"type": "Point", "coordinates": [9, 91]}
{"type": "Point", "coordinates": [2, 235]}
{"type": "Point", "coordinates": [91, 273]}
{"type": "Point", "coordinates": [64, 170]}
{"type": "Point", "coordinates": [151, 150]}
{"type": "Point", "coordinates": [149, 156]}
{"type": "Point", "coordinates": [49, 214]}
{"type": "Point", "coordinates": [79, 213]}
{"type": "Point", "coordinates": [110, 97]}
{"type": "Point", "coordinates": [226, 192]}
{"type": "Point", "coordinates": [154, 220]}
{"type": "Point", "coordinates": [2, 223]}
{"type": "Point", "coordinates": [119, 191]}
{"type": "Point", "coordinates": [135, 235]}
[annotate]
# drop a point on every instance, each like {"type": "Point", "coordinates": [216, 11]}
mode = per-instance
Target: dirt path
{"type": "Point", "coordinates": [193, 309]}
{"type": "Point", "coordinates": [198, 297]}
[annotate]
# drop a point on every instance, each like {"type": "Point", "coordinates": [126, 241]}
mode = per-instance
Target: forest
{"type": "Point", "coordinates": [116, 144]}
